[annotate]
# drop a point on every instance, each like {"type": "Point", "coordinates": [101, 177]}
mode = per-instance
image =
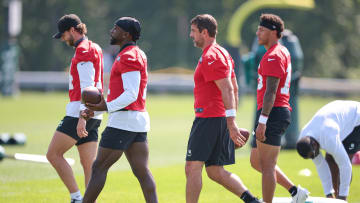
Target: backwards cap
{"type": "Point", "coordinates": [65, 23]}
{"type": "Point", "coordinates": [130, 25]}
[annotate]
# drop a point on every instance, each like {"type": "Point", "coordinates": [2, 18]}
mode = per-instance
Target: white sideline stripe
{"type": "Point", "coordinates": [38, 158]}
{"type": "Point", "coordinates": [308, 200]}
{"type": "Point", "coordinates": [183, 82]}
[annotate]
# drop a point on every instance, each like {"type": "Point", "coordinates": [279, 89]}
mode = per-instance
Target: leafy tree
{"type": "Point", "coordinates": [328, 34]}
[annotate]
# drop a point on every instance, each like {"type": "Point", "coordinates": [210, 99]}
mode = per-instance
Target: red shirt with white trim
{"type": "Point", "coordinates": [275, 63]}
{"type": "Point", "coordinates": [86, 51]}
{"type": "Point", "coordinates": [214, 64]}
{"type": "Point", "coordinates": [131, 58]}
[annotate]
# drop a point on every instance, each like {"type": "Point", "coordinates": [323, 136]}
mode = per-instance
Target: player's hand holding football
{"type": "Point", "coordinates": [260, 132]}
{"type": "Point", "coordinates": [101, 106]}
{"type": "Point", "coordinates": [235, 135]}
{"type": "Point", "coordinates": [245, 133]}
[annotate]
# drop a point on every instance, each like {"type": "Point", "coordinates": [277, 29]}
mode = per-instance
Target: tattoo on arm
{"type": "Point", "coordinates": [272, 84]}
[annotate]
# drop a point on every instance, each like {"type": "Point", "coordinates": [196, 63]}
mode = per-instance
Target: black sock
{"type": "Point", "coordinates": [247, 196]}
{"type": "Point", "coordinates": [293, 191]}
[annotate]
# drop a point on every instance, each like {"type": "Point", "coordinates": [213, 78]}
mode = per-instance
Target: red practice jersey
{"type": "Point", "coordinates": [86, 51]}
{"type": "Point", "coordinates": [214, 64]}
{"type": "Point", "coordinates": [131, 58]}
{"type": "Point", "coordinates": [275, 63]}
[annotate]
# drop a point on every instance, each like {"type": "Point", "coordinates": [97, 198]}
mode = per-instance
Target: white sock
{"type": "Point", "coordinates": [76, 195]}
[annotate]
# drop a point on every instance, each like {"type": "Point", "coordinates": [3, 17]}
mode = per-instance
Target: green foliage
{"type": "Point", "coordinates": [335, 42]}
{"type": "Point", "coordinates": [328, 34]}
{"type": "Point", "coordinates": [37, 115]}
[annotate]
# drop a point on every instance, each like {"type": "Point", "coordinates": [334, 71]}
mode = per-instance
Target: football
{"type": "Point", "coordinates": [244, 133]}
{"type": "Point", "coordinates": [91, 95]}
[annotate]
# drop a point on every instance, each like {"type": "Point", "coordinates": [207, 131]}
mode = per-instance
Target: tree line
{"type": "Point", "coordinates": [329, 33]}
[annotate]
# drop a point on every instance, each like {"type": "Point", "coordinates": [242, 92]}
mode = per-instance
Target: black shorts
{"type": "Point", "coordinates": [68, 126]}
{"type": "Point", "coordinates": [114, 138]}
{"type": "Point", "coordinates": [210, 142]}
{"type": "Point", "coordinates": [277, 123]}
{"type": "Point", "coordinates": [352, 141]}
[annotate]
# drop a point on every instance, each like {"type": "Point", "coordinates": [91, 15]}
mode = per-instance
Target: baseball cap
{"type": "Point", "coordinates": [130, 25]}
{"type": "Point", "coordinates": [65, 23]}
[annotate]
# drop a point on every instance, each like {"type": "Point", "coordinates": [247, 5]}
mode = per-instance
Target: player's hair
{"type": "Point", "coordinates": [304, 147]}
{"type": "Point", "coordinates": [205, 21]}
{"type": "Point", "coordinates": [81, 28]}
{"type": "Point", "coordinates": [273, 20]}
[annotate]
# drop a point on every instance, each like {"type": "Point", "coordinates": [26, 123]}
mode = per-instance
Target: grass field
{"type": "Point", "coordinates": [37, 115]}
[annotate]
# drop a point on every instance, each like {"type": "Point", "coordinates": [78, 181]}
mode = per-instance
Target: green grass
{"type": "Point", "coordinates": [37, 115]}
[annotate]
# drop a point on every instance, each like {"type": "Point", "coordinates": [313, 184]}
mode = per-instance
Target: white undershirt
{"type": "Point", "coordinates": [134, 121]}
{"type": "Point", "coordinates": [323, 170]}
{"type": "Point", "coordinates": [86, 73]}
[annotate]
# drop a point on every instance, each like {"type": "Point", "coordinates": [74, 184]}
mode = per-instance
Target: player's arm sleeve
{"type": "Point", "coordinates": [345, 169]}
{"type": "Point", "coordinates": [131, 84]}
{"type": "Point", "coordinates": [129, 63]}
{"type": "Point", "coordinates": [86, 72]}
{"type": "Point", "coordinates": [276, 68]}
{"type": "Point", "coordinates": [215, 69]}
{"type": "Point", "coordinates": [324, 173]}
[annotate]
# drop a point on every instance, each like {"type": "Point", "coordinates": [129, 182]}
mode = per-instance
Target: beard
{"type": "Point", "coordinates": [113, 41]}
{"type": "Point", "coordinates": [198, 43]}
{"type": "Point", "coordinates": [70, 42]}
{"type": "Point", "coordinates": [262, 41]}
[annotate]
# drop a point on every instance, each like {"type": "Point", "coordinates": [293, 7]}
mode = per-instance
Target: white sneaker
{"type": "Point", "coordinates": [301, 195]}
{"type": "Point", "coordinates": [76, 201]}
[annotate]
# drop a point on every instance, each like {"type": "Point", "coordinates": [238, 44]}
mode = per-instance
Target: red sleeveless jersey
{"type": "Point", "coordinates": [275, 63]}
{"type": "Point", "coordinates": [86, 51]}
{"type": "Point", "coordinates": [131, 58]}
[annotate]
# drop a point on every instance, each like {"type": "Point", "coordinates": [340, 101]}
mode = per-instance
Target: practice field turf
{"type": "Point", "coordinates": [38, 114]}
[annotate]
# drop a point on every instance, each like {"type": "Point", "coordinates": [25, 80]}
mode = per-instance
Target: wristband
{"type": "Point", "coordinates": [230, 113]}
{"type": "Point", "coordinates": [263, 119]}
{"type": "Point", "coordinates": [82, 107]}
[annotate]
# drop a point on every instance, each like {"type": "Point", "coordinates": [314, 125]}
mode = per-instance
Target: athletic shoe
{"type": "Point", "coordinates": [301, 195]}
{"type": "Point", "coordinates": [76, 201]}
{"type": "Point", "coordinates": [256, 200]}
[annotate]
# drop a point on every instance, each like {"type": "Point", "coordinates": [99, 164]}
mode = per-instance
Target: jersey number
{"type": "Point", "coordinates": [285, 89]}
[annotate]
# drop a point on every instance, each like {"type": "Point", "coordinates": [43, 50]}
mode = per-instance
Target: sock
{"type": "Point", "coordinates": [293, 191]}
{"type": "Point", "coordinates": [247, 196]}
{"type": "Point", "coordinates": [76, 195]}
